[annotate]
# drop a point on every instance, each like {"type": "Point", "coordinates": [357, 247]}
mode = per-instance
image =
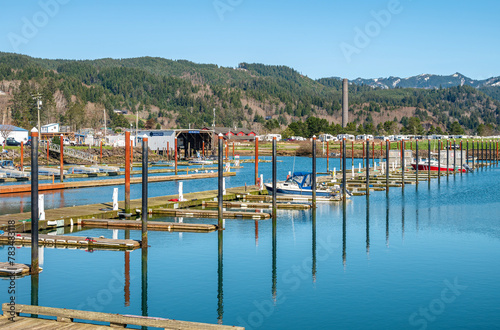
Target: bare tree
{"type": "Point", "coordinates": [5, 131]}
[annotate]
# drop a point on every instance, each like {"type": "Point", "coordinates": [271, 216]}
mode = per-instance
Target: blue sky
{"type": "Point", "coordinates": [317, 38]}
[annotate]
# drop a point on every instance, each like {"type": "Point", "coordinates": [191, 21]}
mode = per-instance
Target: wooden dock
{"type": "Point", "coordinates": [25, 188]}
{"type": "Point", "coordinates": [290, 198]}
{"type": "Point", "coordinates": [65, 320]}
{"type": "Point", "coordinates": [193, 213]}
{"type": "Point", "coordinates": [93, 243]}
{"type": "Point", "coordinates": [152, 225]}
{"type": "Point", "coordinates": [9, 269]}
{"type": "Point", "coordinates": [248, 205]}
{"type": "Point", "coordinates": [74, 215]}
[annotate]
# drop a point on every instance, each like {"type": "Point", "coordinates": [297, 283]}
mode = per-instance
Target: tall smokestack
{"type": "Point", "coordinates": [345, 102]}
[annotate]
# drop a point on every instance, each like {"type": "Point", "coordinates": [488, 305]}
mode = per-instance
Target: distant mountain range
{"type": "Point", "coordinates": [427, 81]}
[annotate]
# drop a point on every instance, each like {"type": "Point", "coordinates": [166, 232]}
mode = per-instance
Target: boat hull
{"type": "Point", "coordinates": [425, 167]}
{"type": "Point", "coordinates": [300, 192]}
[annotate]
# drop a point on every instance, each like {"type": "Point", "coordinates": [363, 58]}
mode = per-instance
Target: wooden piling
{"type": "Point", "coordinates": [429, 160]}
{"type": "Point", "coordinates": [447, 157]}
{"type": "Point", "coordinates": [387, 169]}
{"type": "Point", "coordinates": [417, 162]}
{"type": "Point", "coordinates": [34, 201]}
{"type": "Point", "coordinates": [344, 177]}
{"type": "Point", "coordinates": [61, 159]}
{"type": "Point", "coordinates": [22, 156]}
{"type": "Point", "coordinates": [274, 176]}
{"type": "Point", "coordinates": [327, 157]}
{"type": "Point", "coordinates": [367, 167]}
{"type": "Point", "coordinates": [454, 157]}
{"type": "Point", "coordinates": [313, 172]}
{"type": "Point", "coordinates": [439, 160]}
{"type": "Point", "coordinates": [127, 172]}
{"type": "Point", "coordinates": [100, 152]}
{"type": "Point", "coordinates": [256, 160]}
{"type": "Point", "coordinates": [144, 212]}
{"type": "Point", "coordinates": [403, 164]}
{"type": "Point", "coordinates": [220, 190]}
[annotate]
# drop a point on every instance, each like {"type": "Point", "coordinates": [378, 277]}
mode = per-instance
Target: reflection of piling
{"type": "Point", "coordinates": [344, 179]}
{"type": "Point", "coordinates": [314, 245]}
{"type": "Point", "coordinates": [127, 172]}
{"type": "Point", "coordinates": [314, 171]}
{"type": "Point", "coordinates": [274, 177]}
{"type": "Point", "coordinates": [61, 158]}
{"type": "Point", "coordinates": [256, 161]}
{"type": "Point", "coordinates": [144, 282]}
{"type": "Point", "coordinates": [34, 202]}
{"type": "Point", "coordinates": [367, 225]}
{"type": "Point", "coordinates": [387, 147]}
{"type": "Point", "coordinates": [367, 167]}
{"type": "Point", "coordinates": [126, 286]}
{"type": "Point", "coordinates": [144, 213]}
{"type": "Point", "coordinates": [221, 176]}
{"type": "Point", "coordinates": [274, 271]}
{"type": "Point", "coordinates": [387, 222]}
{"type": "Point", "coordinates": [34, 287]}
{"type": "Point", "coordinates": [344, 232]}
{"type": "Point", "coordinates": [220, 277]}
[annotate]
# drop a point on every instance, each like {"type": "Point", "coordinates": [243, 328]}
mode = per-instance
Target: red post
{"type": "Point", "coordinates": [100, 146]}
{"type": "Point", "coordinates": [381, 148]}
{"type": "Point", "coordinates": [22, 156]}
{"type": "Point", "coordinates": [127, 172]}
{"type": "Point", "coordinates": [61, 159]}
{"type": "Point", "coordinates": [48, 156]}
{"type": "Point", "coordinates": [203, 150]}
{"type": "Point", "coordinates": [233, 150]}
{"type": "Point", "coordinates": [256, 160]}
{"type": "Point", "coordinates": [168, 150]}
{"type": "Point", "coordinates": [175, 155]}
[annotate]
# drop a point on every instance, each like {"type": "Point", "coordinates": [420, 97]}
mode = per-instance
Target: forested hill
{"type": "Point", "coordinates": [169, 93]}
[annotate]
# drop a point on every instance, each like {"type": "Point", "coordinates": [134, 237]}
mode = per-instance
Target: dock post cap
{"type": "Point", "coordinates": [220, 134]}
{"type": "Point", "coordinates": [34, 130]}
{"type": "Point", "coordinates": [144, 136]}
{"type": "Point", "coordinates": [314, 136]}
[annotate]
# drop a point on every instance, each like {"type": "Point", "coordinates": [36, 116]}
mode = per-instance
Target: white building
{"type": "Point", "coordinates": [50, 128]}
{"type": "Point", "coordinates": [18, 133]}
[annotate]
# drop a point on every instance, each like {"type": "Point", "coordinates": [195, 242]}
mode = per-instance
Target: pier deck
{"type": "Point", "coordinates": [65, 320]}
{"type": "Point", "coordinates": [212, 214]}
{"type": "Point", "coordinates": [25, 188]}
{"type": "Point", "coordinates": [247, 205]}
{"type": "Point", "coordinates": [73, 241]}
{"type": "Point", "coordinates": [152, 225]}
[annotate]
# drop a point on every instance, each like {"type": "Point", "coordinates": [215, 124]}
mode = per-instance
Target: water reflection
{"type": "Point", "coordinates": [367, 226]}
{"type": "Point", "coordinates": [403, 217]}
{"type": "Point", "coordinates": [35, 278]}
{"type": "Point", "coordinates": [344, 229]}
{"type": "Point", "coordinates": [387, 221]}
{"type": "Point", "coordinates": [256, 232]}
{"type": "Point", "coordinates": [274, 272]}
{"type": "Point", "coordinates": [314, 244]}
{"type": "Point", "coordinates": [144, 282]}
{"type": "Point", "coordinates": [220, 293]}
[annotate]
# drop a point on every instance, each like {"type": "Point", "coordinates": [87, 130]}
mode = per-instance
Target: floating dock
{"type": "Point", "coordinates": [25, 188]}
{"type": "Point", "coordinates": [248, 205]}
{"type": "Point", "coordinates": [73, 241]}
{"type": "Point", "coordinates": [13, 269]}
{"type": "Point", "coordinates": [152, 225]}
{"type": "Point", "coordinates": [64, 319]}
{"type": "Point", "coordinates": [211, 214]}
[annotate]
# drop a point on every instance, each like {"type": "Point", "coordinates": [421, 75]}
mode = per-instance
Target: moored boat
{"type": "Point", "coordinates": [300, 183]}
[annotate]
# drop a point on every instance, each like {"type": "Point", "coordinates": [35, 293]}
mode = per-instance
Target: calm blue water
{"type": "Point", "coordinates": [425, 258]}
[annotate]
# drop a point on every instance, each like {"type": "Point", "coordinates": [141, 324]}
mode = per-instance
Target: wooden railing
{"type": "Point", "coordinates": [70, 152]}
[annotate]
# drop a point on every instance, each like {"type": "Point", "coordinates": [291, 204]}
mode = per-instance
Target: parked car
{"type": "Point", "coordinates": [13, 142]}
